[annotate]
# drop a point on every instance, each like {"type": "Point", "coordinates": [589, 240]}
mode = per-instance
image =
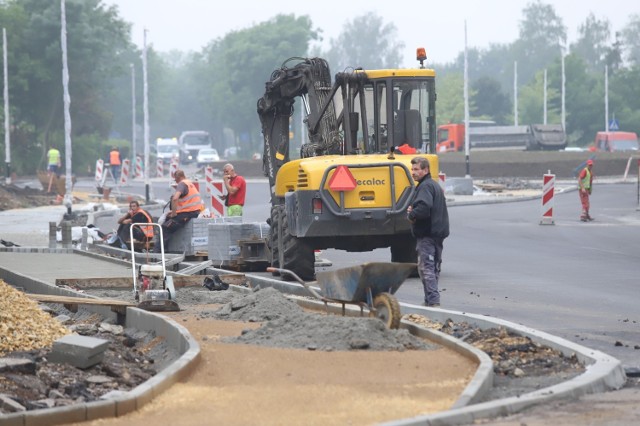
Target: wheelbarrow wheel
{"type": "Point", "coordinates": [387, 309]}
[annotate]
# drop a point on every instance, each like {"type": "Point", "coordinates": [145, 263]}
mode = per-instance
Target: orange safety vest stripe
{"type": "Point", "coordinates": [192, 201]}
{"type": "Point", "coordinates": [148, 230]}
{"type": "Point", "coordinates": [114, 158]}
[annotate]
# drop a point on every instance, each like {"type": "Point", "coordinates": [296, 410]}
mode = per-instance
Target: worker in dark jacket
{"type": "Point", "coordinates": [429, 219]}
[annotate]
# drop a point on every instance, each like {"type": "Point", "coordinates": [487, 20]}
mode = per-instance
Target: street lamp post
{"type": "Point", "coordinates": [7, 130]}
{"type": "Point", "coordinates": [145, 86]}
{"type": "Point", "coordinates": [68, 198]}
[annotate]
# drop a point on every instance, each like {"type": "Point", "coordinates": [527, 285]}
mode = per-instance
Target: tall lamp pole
{"type": "Point", "coordinates": [67, 116]}
{"type": "Point", "coordinates": [515, 93]}
{"type": "Point", "coordinates": [133, 115]}
{"type": "Point", "coordinates": [7, 130]}
{"type": "Point", "coordinates": [466, 105]}
{"type": "Point", "coordinates": [146, 119]}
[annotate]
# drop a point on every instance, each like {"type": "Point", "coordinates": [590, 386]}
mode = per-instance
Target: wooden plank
{"type": "Point", "coordinates": [69, 300]}
{"type": "Point", "coordinates": [98, 282]}
{"type": "Point", "coordinates": [122, 283]}
{"type": "Point", "coordinates": [194, 268]}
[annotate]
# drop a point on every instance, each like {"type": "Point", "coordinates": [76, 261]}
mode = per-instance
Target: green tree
{"type": "Point", "coordinates": [365, 42]}
{"type": "Point", "coordinates": [96, 37]}
{"type": "Point", "coordinates": [489, 100]}
{"type": "Point", "coordinates": [542, 32]}
{"type": "Point", "coordinates": [631, 39]}
{"type": "Point", "coordinates": [584, 99]}
{"type": "Point", "coordinates": [239, 64]}
{"type": "Point", "coordinates": [593, 41]}
{"type": "Point", "coordinates": [531, 102]}
{"type": "Point", "coordinates": [624, 98]}
{"type": "Point", "coordinates": [450, 89]}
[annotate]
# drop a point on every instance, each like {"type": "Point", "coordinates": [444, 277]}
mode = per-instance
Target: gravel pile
{"type": "Point", "coordinates": [23, 325]}
{"type": "Point", "coordinates": [287, 325]}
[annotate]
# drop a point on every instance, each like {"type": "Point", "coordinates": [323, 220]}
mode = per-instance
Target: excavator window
{"type": "Point", "coordinates": [413, 124]}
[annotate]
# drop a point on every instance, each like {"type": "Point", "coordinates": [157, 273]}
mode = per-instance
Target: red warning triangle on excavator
{"type": "Point", "coordinates": [342, 180]}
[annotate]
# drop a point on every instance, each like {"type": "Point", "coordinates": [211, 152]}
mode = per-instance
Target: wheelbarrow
{"type": "Point", "coordinates": [369, 284]}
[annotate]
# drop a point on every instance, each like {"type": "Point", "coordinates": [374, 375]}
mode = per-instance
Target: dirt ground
{"type": "Point", "coordinates": [238, 384]}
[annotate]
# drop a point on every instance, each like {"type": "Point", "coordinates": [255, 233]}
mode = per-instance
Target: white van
{"type": "Point", "coordinates": [167, 149]}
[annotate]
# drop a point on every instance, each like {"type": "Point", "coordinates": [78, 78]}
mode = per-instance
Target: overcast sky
{"type": "Point", "coordinates": [438, 26]}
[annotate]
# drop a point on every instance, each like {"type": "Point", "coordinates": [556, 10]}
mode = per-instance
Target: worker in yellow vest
{"type": "Point", "coordinates": [585, 181]}
{"type": "Point", "coordinates": [53, 161]}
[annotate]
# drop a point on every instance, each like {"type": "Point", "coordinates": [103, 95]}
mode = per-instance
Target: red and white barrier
{"type": "Point", "coordinates": [173, 167]}
{"type": "Point", "coordinates": [217, 203]}
{"type": "Point", "coordinates": [159, 168]}
{"type": "Point", "coordinates": [211, 194]}
{"type": "Point", "coordinates": [208, 175]}
{"type": "Point", "coordinates": [214, 194]}
{"type": "Point", "coordinates": [139, 173]}
{"type": "Point", "coordinates": [548, 183]}
{"type": "Point", "coordinates": [442, 177]}
{"type": "Point", "coordinates": [124, 173]}
{"type": "Point", "coordinates": [99, 170]}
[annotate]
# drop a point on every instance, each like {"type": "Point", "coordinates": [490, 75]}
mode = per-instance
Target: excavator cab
{"type": "Point", "coordinates": [388, 108]}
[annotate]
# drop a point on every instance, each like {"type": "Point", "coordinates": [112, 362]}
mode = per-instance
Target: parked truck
{"type": "Point", "coordinates": [530, 137]}
{"type": "Point", "coordinates": [615, 142]}
{"type": "Point", "coordinates": [191, 142]}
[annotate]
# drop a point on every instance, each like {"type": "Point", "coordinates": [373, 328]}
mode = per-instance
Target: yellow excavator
{"type": "Point", "coordinates": [350, 184]}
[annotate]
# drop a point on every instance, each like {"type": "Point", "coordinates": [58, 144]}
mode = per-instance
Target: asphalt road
{"type": "Point", "coordinates": [572, 279]}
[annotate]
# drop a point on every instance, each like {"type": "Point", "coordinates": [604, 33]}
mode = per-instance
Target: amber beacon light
{"type": "Point", "coordinates": [421, 55]}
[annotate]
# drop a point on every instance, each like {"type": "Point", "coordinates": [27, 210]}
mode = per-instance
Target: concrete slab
{"type": "Point", "coordinates": [79, 351]}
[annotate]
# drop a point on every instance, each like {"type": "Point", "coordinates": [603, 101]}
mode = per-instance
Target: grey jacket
{"type": "Point", "coordinates": [429, 210]}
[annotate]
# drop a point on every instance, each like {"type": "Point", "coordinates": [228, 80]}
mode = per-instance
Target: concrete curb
{"type": "Point", "coordinates": [176, 336]}
{"type": "Point", "coordinates": [603, 372]}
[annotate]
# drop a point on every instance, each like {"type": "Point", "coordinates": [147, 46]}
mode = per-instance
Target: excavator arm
{"type": "Point", "coordinates": [309, 79]}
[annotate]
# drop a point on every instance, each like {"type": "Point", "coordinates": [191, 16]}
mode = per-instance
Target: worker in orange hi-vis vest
{"type": "Point", "coordinates": [115, 162]}
{"type": "Point", "coordinates": [186, 204]}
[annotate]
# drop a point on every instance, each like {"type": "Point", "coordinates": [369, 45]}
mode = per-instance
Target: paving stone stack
{"type": "Point", "coordinates": [224, 247]}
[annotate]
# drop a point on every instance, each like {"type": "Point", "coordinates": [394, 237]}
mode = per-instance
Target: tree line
{"type": "Point", "coordinates": [216, 88]}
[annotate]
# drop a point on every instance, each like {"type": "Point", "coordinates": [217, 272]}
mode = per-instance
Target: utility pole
{"type": "Point", "coordinates": [466, 105]}
{"type": "Point", "coordinates": [68, 197]}
{"type": "Point", "coordinates": [544, 95]}
{"type": "Point", "coordinates": [515, 93]}
{"type": "Point", "coordinates": [146, 119]}
{"type": "Point", "coordinates": [133, 116]}
{"type": "Point", "coordinates": [7, 129]}
{"type": "Point", "coordinates": [564, 123]}
{"type": "Point", "coordinates": [606, 98]}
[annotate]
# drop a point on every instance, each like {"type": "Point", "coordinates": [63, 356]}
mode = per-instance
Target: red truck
{"type": "Point", "coordinates": [615, 142]}
{"type": "Point", "coordinates": [486, 135]}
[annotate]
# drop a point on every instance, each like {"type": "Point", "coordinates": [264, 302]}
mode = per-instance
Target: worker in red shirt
{"type": "Point", "coordinates": [236, 190]}
{"type": "Point", "coordinates": [585, 181]}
